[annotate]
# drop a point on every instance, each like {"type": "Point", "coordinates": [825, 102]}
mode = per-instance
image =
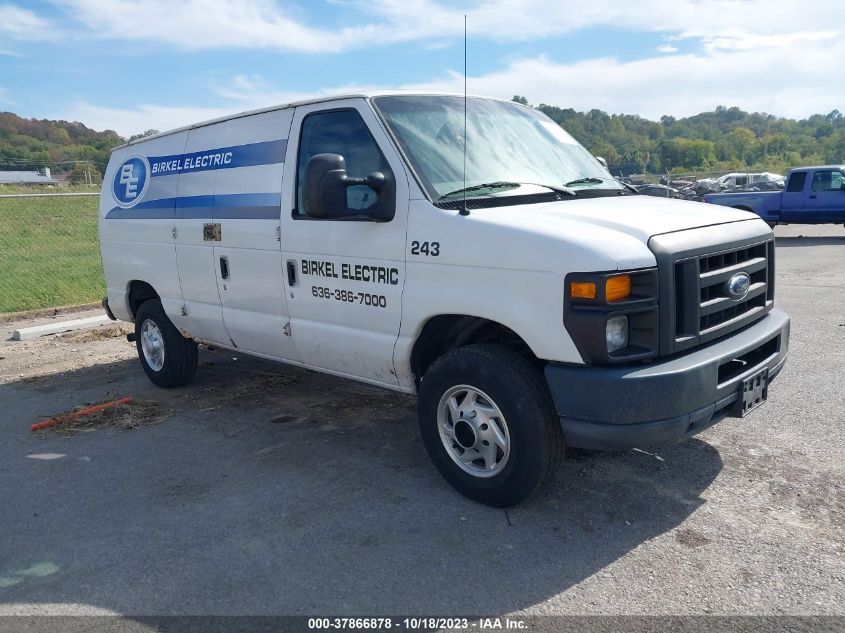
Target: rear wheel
{"type": "Point", "coordinates": [488, 424]}
{"type": "Point", "coordinates": [168, 358]}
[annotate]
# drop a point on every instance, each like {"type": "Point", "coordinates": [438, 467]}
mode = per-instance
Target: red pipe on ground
{"type": "Point", "coordinates": [59, 419]}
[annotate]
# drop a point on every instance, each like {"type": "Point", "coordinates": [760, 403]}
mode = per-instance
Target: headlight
{"type": "Point", "coordinates": [616, 333]}
{"type": "Point", "coordinates": [612, 316]}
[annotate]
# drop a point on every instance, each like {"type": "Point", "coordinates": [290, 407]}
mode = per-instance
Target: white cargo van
{"type": "Point", "coordinates": [529, 299]}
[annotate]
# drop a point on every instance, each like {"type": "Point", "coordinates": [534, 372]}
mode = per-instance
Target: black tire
{"type": "Point", "coordinates": [180, 353]}
{"type": "Point", "coordinates": [520, 392]}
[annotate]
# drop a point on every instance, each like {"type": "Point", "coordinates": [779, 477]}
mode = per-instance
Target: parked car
{"type": "Point", "coordinates": [744, 179]}
{"type": "Point", "coordinates": [813, 195]}
{"type": "Point", "coordinates": [659, 191]}
{"type": "Point", "coordinates": [539, 304]}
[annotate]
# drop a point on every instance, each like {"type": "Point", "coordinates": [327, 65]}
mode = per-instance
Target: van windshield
{"type": "Point", "coordinates": [507, 144]}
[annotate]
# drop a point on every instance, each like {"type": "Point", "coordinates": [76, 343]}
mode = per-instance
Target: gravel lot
{"type": "Point", "coordinates": [270, 490]}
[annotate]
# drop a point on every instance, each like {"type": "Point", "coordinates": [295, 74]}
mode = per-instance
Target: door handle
{"type": "Point", "coordinates": [291, 273]}
{"type": "Point", "coordinates": [812, 196]}
{"type": "Point", "coordinates": [224, 267]}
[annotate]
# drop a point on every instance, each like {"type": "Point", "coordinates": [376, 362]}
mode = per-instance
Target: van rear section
{"type": "Point", "coordinates": [162, 230]}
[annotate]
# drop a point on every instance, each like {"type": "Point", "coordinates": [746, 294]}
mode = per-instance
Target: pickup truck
{"type": "Point", "coordinates": [813, 195]}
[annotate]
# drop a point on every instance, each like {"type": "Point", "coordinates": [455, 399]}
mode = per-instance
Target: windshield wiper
{"type": "Point", "coordinates": [586, 181]}
{"type": "Point", "coordinates": [503, 184]}
{"type": "Point", "coordinates": [499, 184]}
{"type": "Point", "coordinates": [593, 179]}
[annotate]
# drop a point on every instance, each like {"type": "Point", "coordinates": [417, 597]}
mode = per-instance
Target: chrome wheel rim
{"type": "Point", "coordinates": [473, 431]}
{"type": "Point", "coordinates": [152, 345]}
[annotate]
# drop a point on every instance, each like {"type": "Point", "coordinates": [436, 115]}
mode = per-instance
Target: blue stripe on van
{"type": "Point", "coordinates": [249, 155]}
{"type": "Point", "coordinates": [248, 206]}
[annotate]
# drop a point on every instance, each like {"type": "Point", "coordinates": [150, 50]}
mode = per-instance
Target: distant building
{"type": "Point", "coordinates": [62, 180]}
{"type": "Point", "coordinates": [41, 177]}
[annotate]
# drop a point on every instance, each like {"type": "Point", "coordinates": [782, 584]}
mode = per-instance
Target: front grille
{"type": "Point", "coordinates": [717, 313]}
{"type": "Point", "coordinates": [695, 302]}
{"type": "Point", "coordinates": [717, 309]}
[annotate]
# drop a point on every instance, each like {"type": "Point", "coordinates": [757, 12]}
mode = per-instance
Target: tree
{"type": "Point", "coordinates": [519, 99]}
{"type": "Point", "coordinates": [85, 174]}
{"type": "Point", "coordinates": [606, 151]}
{"type": "Point", "coordinates": [135, 137]}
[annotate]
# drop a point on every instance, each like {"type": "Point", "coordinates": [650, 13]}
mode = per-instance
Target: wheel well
{"type": "Point", "coordinates": [140, 291]}
{"type": "Point", "coordinates": [450, 331]}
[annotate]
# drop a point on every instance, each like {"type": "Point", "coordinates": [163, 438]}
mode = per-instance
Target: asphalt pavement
{"type": "Point", "coordinates": [270, 490]}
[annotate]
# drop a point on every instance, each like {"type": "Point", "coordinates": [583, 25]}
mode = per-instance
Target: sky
{"type": "Point", "coordinates": [132, 65]}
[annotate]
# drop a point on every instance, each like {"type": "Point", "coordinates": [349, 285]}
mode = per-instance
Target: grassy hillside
{"type": "Point", "coordinates": [725, 139]}
{"type": "Point", "coordinates": [33, 144]}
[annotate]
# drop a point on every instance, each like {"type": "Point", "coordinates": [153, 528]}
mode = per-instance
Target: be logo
{"type": "Point", "coordinates": [130, 181]}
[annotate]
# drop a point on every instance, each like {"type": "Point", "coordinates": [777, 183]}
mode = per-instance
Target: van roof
{"type": "Point", "coordinates": [364, 94]}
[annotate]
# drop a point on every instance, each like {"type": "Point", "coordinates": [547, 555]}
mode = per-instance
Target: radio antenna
{"type": "Point", "coordinates": [464, 210]}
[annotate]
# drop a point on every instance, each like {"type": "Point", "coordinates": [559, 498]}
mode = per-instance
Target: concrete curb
{"type": "Point", "coordinates": [27, 333]}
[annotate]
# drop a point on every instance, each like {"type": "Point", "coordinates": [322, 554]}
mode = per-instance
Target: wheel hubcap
{"type": "Point", "coordinates": [152, 345]}
{"type": "Point", "coordinates": [473, 431]}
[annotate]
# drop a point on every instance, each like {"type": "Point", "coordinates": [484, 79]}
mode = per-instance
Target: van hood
{"type": "Point", "coordinates": [640, 217]}
{"type": "Point", "coordinates": [606, 233]}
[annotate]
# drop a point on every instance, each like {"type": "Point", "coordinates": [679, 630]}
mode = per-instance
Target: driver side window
{"type": "Point", "coordinates": [341, 132]}
{"type": "Point", "coordinates": [828, 180]}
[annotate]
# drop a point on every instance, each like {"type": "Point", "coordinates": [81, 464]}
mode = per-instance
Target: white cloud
{"type": "Point", "coordinates": [23, 24]}
{"type": "Point", "coordinates": [128, 121]}
{"type": "Point", "coordinates": [268, 24]}
{"type": "Point", "coordinates": [761, 56]}
{"type": "Point", "coordinates": [739, 40]}
{"type": "Point", "coordinates": [253, 91]}
{"type": "Point", "coordinates": [241, 93]}
{"type": "Point", "coordinates": [790, 81]}
{"type": "Point", "coordinates": [4, 96]}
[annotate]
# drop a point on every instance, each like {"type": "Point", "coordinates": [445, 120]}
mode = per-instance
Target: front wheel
{"type": "Point", "coordinates": [488, 424]}
{"type": "Point", "coordinates": [168, 358]}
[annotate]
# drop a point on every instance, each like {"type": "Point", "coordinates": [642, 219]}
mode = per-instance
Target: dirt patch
{"type": "Point", "coordinates": [98, 334]}
{"type": "Point", "coordinates": [133, 415]}
{"type": "Point", "coordinates": [245, 388]}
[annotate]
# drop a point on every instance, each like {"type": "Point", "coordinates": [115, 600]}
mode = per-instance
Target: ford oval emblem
{"type": "Point", "coordinates": [738, 286]}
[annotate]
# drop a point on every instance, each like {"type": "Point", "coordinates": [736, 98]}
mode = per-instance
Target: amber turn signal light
{"type": "Point", "coordinates": [617, 288]}
{"type": "Point", "coordinates": [582, 290]}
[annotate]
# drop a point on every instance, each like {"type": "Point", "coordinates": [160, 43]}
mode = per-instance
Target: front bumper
{"type": "Point", "coordinates": [641, 406]}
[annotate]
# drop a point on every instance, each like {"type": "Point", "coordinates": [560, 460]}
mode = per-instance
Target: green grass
{"type": "Point", "coordinates": [49, 255]}
{"type": "Point", "coordinates": [49, 189]}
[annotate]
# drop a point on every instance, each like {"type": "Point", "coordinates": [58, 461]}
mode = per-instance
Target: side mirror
{"type": "Point", "coordinates": [602, 161]}
{"type": "Point", "coordinates": [325, 190]}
